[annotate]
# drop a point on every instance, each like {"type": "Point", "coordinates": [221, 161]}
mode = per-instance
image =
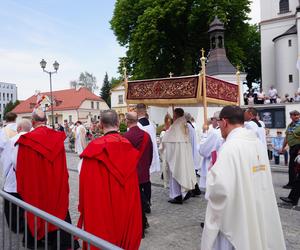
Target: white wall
{"type": "Point", "coordinates": [270, 9]}
{"type": "Point", "coordinates": [285, 65]}
{"type": "Point", "coordinates": [268, 32]}
{"type": "Point", "coordinates": [114, 97]}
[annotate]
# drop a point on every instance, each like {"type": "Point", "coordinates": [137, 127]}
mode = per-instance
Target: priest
{"type": "Point", "coordinates": [109, 170]}
{"type": "Point", "coordinates": [179, 158]}
{"type": "Point", "coordinates": [42, 179]}
{"type": "Point", "coordinates": [242, 211]}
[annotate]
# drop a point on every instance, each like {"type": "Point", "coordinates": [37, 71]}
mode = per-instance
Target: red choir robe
{"type": "Point", "coordinates": [109, 195]}
{"type": "Point", "coordinates": [42, 175]}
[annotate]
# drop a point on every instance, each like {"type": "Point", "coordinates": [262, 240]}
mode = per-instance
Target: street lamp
{"type": "Point", "coordinates": [43, 64]}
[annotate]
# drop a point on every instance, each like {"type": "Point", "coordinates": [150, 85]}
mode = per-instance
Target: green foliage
{"type": "Point", "coordinates": [167, 35]}
{"type": "Point", "coordinates": [105, 90]}
{"type": "Point", "coordinates": [10, 106]}
{"type": "Point", "coordinates": [86, 80]}
{"type": "Point", "coordinates": [115, 81]}
{"type": "Point", "coordinates": [122, 128]}
{"type": "Point", "coordinates": [159, 128]}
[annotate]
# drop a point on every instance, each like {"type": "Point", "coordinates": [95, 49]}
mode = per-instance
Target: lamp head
{"type": "Point", "coordinates": [56, 65]}
{"type": "Point", "coordinates": [43, 64]}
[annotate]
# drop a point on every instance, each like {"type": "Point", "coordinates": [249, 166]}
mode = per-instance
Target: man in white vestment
{"type": "Point", "coordinates": [253, 123]}
{"type": "Point", "coordinates": [208, 149]}
{"type": "Point", "coordinates": [9, 159]}
{"type": "Point", "coordinates": [196, 156]}
{"type": "Point", "coordinates": [9, 130]}
{"type": "Point", "coordinates": [242, 212]}
{"type": "Point", "coordinates": [179, 158]}
{"type": "Point", "coordinates": [145, 124]}
{"type": "Point", "coordinates": [80, 137]}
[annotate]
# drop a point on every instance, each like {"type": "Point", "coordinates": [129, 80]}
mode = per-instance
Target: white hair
{"type": "Point", "coordinates": [24, 124]}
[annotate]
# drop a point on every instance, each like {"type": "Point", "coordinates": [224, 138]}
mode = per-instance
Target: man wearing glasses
{"type": "Point", "coordinates": [292, 139]}
{"type": "Point", "coordinates": [241, 212]}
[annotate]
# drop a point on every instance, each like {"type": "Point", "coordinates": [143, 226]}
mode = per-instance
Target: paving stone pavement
{"type": "Point", "coordinates": [178, 226]}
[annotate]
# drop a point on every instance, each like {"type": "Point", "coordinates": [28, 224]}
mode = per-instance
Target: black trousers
{"type": "Point", "coordinates": [146, 188]}
{"type": "Point", "coordinates": [14, 209]}
{"type": "Point", "coordinates": [295, 192]}
{"type": "Point", "coordinates": [65, 238]}
{"type": "Point", "coordinates": [293, 154]}
{"type": "Point", "coordinates": [144, 206]}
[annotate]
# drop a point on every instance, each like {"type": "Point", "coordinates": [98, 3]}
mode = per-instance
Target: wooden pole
{"type": "Point", "coordinates": [238, 82]}
{"type": "Point", "coordinates": [203, 73]}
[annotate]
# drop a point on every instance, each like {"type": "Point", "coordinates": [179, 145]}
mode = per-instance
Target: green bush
{"type": "Point", "coordinates": [122, 128]}
{"type": "Point", "coordinates": [159, 128]}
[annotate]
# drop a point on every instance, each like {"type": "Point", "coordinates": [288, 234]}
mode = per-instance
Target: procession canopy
{"type": "Point", "coordinates": [186, 90]}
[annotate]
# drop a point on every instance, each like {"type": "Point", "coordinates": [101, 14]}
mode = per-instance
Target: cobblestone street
{"type": "Point", "coordinates": [178, 226]}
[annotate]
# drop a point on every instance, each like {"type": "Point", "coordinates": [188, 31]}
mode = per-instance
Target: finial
{"type": "Point", "coordinates": [202, 52]}
{"type": "Point", "coordinates": [171, 74]}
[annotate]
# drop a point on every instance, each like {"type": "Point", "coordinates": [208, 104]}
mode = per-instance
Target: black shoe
{"type": "Point", "coordinates": [287, 186]}
{"type": "Point", "coordinates": [176, 200]}
{"type": "Point", "coordinates": [288, 200]}
{"type": "Point", "coordinates": [148, 210]}
{"type": "Point", "coordinates": [197, 190]}
{"type": "Point", "coordinates": [187, 196]}
{"type": "Point", "coordinates": [202, 224]}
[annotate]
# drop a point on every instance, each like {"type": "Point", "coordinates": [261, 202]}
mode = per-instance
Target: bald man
{"type": "Point", "coordinates": [42, 178]}
{"type": "Point", "coordinates": [8, 159]}
{"type": "Point", "coordinates": [142, 142]}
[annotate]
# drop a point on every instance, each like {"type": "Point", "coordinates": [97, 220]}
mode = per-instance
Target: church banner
{"type": "Point", "coordinates": [187, 90]}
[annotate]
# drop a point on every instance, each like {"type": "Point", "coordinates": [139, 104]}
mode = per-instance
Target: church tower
{"type": "Point", "coordinates": [218, 63]}
{"type": "Point", "coordinates": [280, 45]}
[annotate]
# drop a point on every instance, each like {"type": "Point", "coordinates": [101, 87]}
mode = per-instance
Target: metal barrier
{"type": "Point", "coordinates": [91, 240]}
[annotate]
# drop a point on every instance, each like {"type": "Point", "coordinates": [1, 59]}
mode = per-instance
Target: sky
{"type": "Point", "coordinates": [75, 33]}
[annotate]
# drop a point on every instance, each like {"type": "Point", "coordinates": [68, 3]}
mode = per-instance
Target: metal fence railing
{"type": "Point", "coordinates": [7, 241]}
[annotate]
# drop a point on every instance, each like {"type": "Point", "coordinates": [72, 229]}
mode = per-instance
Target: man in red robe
{"type": "Point", "coordinates": [109, 195]}
{"type": "Point", "coordinates": [42, 178]}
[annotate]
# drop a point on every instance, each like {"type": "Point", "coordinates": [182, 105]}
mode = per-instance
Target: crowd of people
{"type": "Point", "coordinates": [231, 159]}
{"type": "Point", "coordinates": [260, 97]}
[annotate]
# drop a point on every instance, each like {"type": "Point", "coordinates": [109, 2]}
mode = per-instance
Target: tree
{"type": "Point", "coordinates": [10, 106]}
{"type": "Point", "coordinates": [163, 36]}
{"type": "Point", "coordinates": [86, 80]}
{"type": "Point", "coordinates": [252, 63]}
{"type": "Point", "coordinates": [105, 90]}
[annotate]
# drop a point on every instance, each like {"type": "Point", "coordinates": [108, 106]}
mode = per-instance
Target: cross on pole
{"type": "Point", "coordinates": [171, 74]}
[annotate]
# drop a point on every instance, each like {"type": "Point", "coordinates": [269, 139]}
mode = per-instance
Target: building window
{"type": "Point", "coordinates": [7, 97]}
{"type": "Point", "coordinates": [3, 106]}
{"type": "Point", "coordinates": [98, 107]}
{"type": "Point", "coordinates": [120, 98]}
{"type": "Point", "coordinates": [70, 118]}
{"type": "Point", "coordinates": [92, 105]}
{"type": "Point", "coordinates": [56, 119]}
{"type": "Point", "coordinates": [11, 96]}
{"type": "Point", "coordinates": [0, 107]}
{"type": "Point", "coordinates": [290, 43]}
{"type": "Point", "coordinates": [290, 78]}
{"type": "Point", "coordinates": [3, 96]}
{"type": "Point", "coordinates": [284, 6]}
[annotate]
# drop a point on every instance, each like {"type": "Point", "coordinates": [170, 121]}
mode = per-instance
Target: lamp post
{"type": "Point", "coordinates": [55, 66]}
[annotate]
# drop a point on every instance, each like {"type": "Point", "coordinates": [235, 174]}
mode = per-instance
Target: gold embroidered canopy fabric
{"type": "Point", "coordinates": [180, 90]}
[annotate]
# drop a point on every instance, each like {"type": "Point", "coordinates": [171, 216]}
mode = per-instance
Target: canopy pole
{"type": "Point", "coordinates": [203, 73]}
{"type": "Point", "coordinates": [238, 82]}
{"type": "Point", "coordinates": [125, 83]}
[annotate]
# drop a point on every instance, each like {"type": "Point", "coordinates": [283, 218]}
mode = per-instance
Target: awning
{"type": "Point", "coordinates": [187, 90]}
